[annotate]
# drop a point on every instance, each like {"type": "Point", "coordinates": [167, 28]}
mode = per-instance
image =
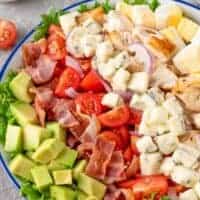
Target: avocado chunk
{"type": "Point", "coordinates": [21, 166]}
{"type": "Point", "coordinates": [62, 193]}
{"type": "Point", "coordinates": [41, 177]}
{"type": "Point", "coordinates": [48, 150]}
{"type": "Point", "coordinates": [63, 177]}
{"type": "Point", "coordinates": [20, 86]}
{"type": "Point", "coordinates": [79, 168]}
{"type": "Point", "coordinates": [91, 186]}
{"type": "Point", "coordinates": [65, 160]}
{"type": "Point", "coordinates": [57, 131]}
{"type": "Point", "coordinates": [33, 136]}
{"type": "Point", "coordinates": [81, 195]}
{"type": "Point", "coordinates": [24, 113]}
{"type": "Point", "coordinates": [13, 139]}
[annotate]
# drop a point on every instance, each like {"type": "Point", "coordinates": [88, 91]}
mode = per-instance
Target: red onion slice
{"type": "Point", "coordinates": [73, 63]}
{"type": "Point", "coordinates": [142, 55]}
{"type": "Point", "coordinates": [106, 86]}
{"type": "Point", "coordinates": [71, 92]}
{"type": "Point", "coordinates": [126, 95]}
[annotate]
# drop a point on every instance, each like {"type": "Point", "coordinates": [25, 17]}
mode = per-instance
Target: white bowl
{"type": "Point", "coordinates": [14, 61]}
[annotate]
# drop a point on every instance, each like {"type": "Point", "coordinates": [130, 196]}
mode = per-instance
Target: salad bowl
{"type": "Point", "coordinates": [14, 61]}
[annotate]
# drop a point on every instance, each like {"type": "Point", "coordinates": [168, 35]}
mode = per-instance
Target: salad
{"type": "Point", "coordinates": [106, 105]}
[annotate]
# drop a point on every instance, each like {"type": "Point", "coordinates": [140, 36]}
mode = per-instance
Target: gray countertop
{"type": "Point", "coordinates": [26, 14]}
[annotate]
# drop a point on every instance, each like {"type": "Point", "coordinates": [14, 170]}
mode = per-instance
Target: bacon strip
{"type": "Point", "coordinates": [100, 158]}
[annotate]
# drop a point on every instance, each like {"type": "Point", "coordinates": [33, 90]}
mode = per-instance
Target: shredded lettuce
{"type": "Point", "coordinates": [30, 191]}
{"type": "Point", "coordinates": [106, 5]}
{"type": "Point", "coordinates": [52, 17]}
{"type": "Point", "coordinates": [6, 98]}
{"type": "Point", "coordinates": [153, 4]}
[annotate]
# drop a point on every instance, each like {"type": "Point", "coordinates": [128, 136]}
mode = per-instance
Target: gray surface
{"type": "Point", "coordinates": [26, 13]}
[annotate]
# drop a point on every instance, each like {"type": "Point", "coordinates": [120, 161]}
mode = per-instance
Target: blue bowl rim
{"type": "Point", "coordinates": [8, 60]}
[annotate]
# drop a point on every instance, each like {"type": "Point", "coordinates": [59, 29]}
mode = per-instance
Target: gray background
{"type": "Point", "coordinates": [26, 14]}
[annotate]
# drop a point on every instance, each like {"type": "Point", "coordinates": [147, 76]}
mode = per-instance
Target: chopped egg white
{"type": "Point", "coordinates": [197, 189]}
{"type": "Point", "coordinates": [177, 125]}
{"type": "Point", "coordinates": [111, 100]}
{"type": "Point", "coordinates": [139, 82]}
{"type": "Point", "coordinates": [92, 26]}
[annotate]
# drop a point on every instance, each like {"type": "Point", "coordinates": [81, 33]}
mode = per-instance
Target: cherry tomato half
{"type": "Point", "coordinates": [8, 34]}
{"type": "Point", "coordinates": [116, 117]}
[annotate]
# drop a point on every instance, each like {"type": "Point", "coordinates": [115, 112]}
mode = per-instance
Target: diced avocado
{"type": "Point", "coordinates": [33, 135]}
{"type": "Point", "coordinates": [63, 177]}
{"type": "Point", "coordinates": [41, 177]}
{"type": "Point", "coordinates": [62, 193]}
{"type": "Point", "coordinates": [79, 168]}
{"type": "Point", "coordinates": [56, 130]}
{"type": "Point", "coordinates": [91, 186]}
{"type": "Point", "coordinates": [48, 150]}
{"type": "Point", "coordinates": [13, 139]}
{"type": "Point", "coordinates": [24, 113]}
{"type": "Point", "coordinates": [29, 154]}
{"type": "Point", "coordinates": [20, 86]}
{"type": "Point", "coordinates": [21, 166]}
{"type": "Point", "coordinates": [81, 195]}
{"type": "Point", "coordinates": [65, 160]}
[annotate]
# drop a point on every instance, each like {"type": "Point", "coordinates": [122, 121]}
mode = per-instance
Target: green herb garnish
{"type": "Point", "coordinates": [106, 5]}
{"type": "Point", "coordinates": [47, 19]}
{"type": "Point", "coordinates": [153, 4]}
{"type": "Point", "coordinates": [6, 98]}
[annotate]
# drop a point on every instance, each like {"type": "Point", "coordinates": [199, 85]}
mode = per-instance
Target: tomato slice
{"type": "Point", "coordinates": [122, 131]}
{"type": "Point", "coordinates": [111, 136]}
{"type": "Point", "coordinates": [92, 82]}
{"type": "Point", "coordinates": [116, 117]}
{"type": "Point", "coordinates": [128, 154]}
{"type": "Point", "coordinates": [69, 78]}
{"type": "Point", "coordinates": [90, 103]}
{"type": "Point", "coordinates": [134, 139]}
{"type": "Point", "coordinates": [8, 34]}
{"type": "Point", "coordinates": [135, 117]}
{"type": "Point", "coordinates": [147, 185]}
{"type": "Point", "coordinates": [56, 47]}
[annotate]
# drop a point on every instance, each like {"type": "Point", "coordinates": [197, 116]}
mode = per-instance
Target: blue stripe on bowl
{"type": "Point", "coordinates": [7, 62]}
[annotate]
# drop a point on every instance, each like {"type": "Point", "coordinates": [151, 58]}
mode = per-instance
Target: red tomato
{"type": "Point", "coordinates": [90, 103]}
{"type": "Point", "coordinates": [135, 117]}
{"type": "Point", "coordinates": [56, 47]}
{"type": "Point", "coordinates": [116, 117]}
{"type": "Point", "coordinates": [8, 34]}
{"type": "Point", "coordinates": [124, 135]}
{"type": "Point", "coordinates": [147, 185]}
{"type": "Point", "coordinates": [128, 154]}
{"type": "Point", "coordinates": [69, 78]}
{"type": "Point", "coordinates": [134, 139]}
{"type": "Point", "coordinates": [55, 29]}
{"type": "Point", "coordinates": [85, 64]}
{"type": "Point", "coordinates": [92, 82]}
{"type": "Point", "coordinates": [111, 136]}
